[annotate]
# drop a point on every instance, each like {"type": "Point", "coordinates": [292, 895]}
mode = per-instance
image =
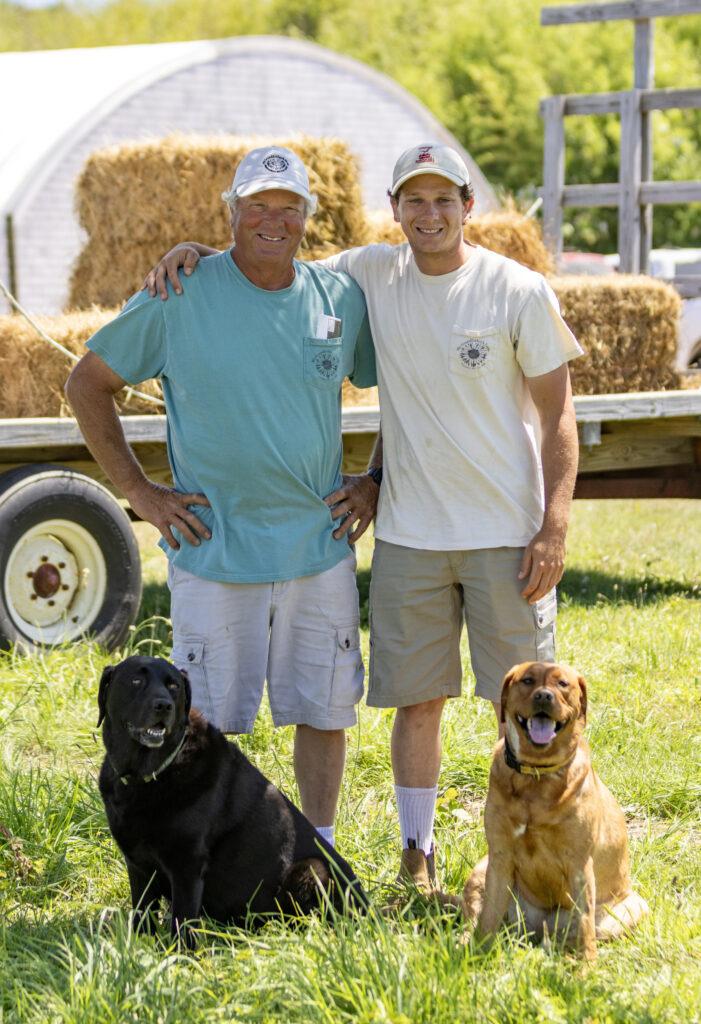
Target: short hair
{"type": "Point", "coordinates": [309, 204]}
{"type": "Point", "coordinates": [467, 191]}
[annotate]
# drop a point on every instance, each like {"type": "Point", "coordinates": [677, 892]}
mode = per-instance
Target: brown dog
{"type": "Point", "coordinates": [557, 841]}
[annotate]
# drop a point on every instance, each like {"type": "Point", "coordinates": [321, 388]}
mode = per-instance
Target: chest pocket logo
{"type": "Point", "coordinates": [472, 353]}
{"type": "Point", "coordinates": [323, 362]}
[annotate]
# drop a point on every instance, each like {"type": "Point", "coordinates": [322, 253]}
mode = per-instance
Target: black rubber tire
{"type": "Point", "coordinates": [99, 583]}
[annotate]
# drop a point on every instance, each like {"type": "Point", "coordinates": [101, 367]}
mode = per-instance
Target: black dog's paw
{"type": "Point", "coordinates": [305, 886]}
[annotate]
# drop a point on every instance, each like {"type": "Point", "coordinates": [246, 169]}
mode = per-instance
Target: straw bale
{"type": "Point", "coordinates": [33, 372]}
{"type": "Point", "coordinates": [511, 234]}
{"type": "Point", "coordinates": [382, 227]}
{"type": "Point", "coordinates": [136, 200]}
{"type": "Point", "coordinates": [504, 231]}
{"type": "Point", "coordinates": [354, 397]}
{"type": "Point", "coordinates": [628, 326]}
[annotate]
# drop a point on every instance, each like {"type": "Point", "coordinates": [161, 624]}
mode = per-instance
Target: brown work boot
{"type": "Point", "coordinates": [418, 869]}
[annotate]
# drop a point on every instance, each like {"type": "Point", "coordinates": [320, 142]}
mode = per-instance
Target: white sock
{"type": "Point", "coordinates": [417, 812]}
{"type": "Point", "coordinates": [327, 832]}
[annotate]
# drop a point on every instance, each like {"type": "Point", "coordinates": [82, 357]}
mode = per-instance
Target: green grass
{"type": "Point", "coordinates": [630, 618]}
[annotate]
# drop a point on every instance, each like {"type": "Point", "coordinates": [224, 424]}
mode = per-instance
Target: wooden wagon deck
{"type": "Point", "coordinates": [631, 445]}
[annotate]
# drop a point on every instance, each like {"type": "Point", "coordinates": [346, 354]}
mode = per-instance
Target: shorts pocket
{"type": "Point", "coordinates": [323, 362]}
{"type": "Point", "coordinates": [348, 669]}
{"type": "Point", "coordinates": [472, 353]}
{"type": "Point", "coordinates": [188, 656]}
{"type": "Point", "coordinates": [544, 614]}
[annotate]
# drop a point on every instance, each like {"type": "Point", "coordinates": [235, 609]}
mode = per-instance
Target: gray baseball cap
{"type": "Point", "coordinates": [430, 159]}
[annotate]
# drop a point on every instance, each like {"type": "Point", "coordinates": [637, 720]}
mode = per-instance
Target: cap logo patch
{"type": "Point", "coordinates": [276, 163]}
{"type": "Point", "coordinates": [425, 156]}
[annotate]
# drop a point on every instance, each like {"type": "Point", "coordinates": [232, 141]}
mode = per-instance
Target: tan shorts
{"type": "Point", "coordinates": [418, 600]}
{"type": "Point", "coordinates": [300, 635]}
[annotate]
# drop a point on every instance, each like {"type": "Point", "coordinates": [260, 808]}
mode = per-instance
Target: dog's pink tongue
{"type": "Point", "coordinates": [541, 729]}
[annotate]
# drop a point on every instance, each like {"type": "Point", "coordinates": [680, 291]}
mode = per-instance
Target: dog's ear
{"type": "Point", "coordinates": [188, 690]}
{"type": "Point", "coordinates": [105, 680]}
{"type": "Point", "coordinates": [508, 679]}
{"type": "Point", "coordinates": [582, 698]}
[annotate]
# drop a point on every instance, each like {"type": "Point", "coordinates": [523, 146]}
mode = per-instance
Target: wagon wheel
{"type": "Point", "coordinates": [69, 561]}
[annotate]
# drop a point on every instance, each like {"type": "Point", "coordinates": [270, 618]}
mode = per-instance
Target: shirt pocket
{"type": "Point", "coordinates": [323, 362]}
{"type": "Point", "coordinates": [473, 353]}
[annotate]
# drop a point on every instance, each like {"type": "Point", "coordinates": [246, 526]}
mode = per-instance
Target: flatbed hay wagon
{"type": "Point", "coordinates": [69, 561]}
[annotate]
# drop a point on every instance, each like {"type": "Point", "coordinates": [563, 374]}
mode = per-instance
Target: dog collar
{"type": "Point", "coordinates": [530, 769]}
{"type": "Point", "coordinates": [127, 779]}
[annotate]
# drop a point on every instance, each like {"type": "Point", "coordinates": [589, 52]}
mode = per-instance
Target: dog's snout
{"type": "Point", "coordinates": [162, 704]}
{"type": "Point", "coordinates": [543, 696]}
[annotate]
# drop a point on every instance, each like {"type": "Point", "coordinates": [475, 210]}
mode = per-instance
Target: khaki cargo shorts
{"type": "Point", "coordinates": [418, 602]}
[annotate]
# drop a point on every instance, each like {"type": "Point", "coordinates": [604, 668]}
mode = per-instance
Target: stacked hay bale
{"type": "Point", "coordinates": [33, 373]}
{"type": "Point", "coordinates": [137, 200]}
{"type": "Point", "coordinates": [628, 326]}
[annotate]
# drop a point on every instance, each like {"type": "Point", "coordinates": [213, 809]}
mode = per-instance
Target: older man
{"type": "Point", "coordinates": [480, 459]}
{"type": "Point", "coordinates": [252, 362]}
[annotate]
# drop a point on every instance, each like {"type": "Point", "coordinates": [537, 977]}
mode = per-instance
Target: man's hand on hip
{"type": "Point", "coordinates": [166, 508]}
{"type": "Point", "coordinates": [355, 501]}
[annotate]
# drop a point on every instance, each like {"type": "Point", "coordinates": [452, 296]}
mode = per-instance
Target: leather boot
{"type": "Point", "coordinates": [419, 869]}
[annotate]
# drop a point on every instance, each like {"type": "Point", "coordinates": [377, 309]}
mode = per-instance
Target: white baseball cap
{"type": "Point", "coordinates": [430, 159]}
{"type": "Point", "coordinates": [270, 167]}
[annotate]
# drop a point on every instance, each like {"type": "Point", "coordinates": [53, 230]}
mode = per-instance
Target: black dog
{"type": "Point", "coordinates": [196, 822]}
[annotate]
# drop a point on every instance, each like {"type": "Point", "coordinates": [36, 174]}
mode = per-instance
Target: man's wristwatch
{"type": "Point", "coordinates": [376, 473]}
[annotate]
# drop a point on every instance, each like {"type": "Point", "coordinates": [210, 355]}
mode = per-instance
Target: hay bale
{"type": "Point", "coordinates": [504, 231]}
{"type": "Point", "coordinates": [628, 326]}
{"type": "Point", "coordinates": [511, 234]}
{"type": "Point", "coordinates": [33, 372]}
{"type": "Point", "coordinates": [382, 227]}
{"type": "Point", "coordinates": [136, 200]}
{"type": "Point", "coordinates": [356, 397]}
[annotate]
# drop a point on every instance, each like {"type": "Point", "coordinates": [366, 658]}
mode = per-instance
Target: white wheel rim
{"type": "Point", "coordinates": [55, 581]}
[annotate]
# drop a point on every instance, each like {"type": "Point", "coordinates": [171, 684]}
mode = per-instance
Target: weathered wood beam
{"type": "Point", "coordinates": [577, 104]}
{"type": "Point", "coordinates": [680, 483]}
{"type": "Point", "coordinates": [638, 405]}
{"type": "Point", "coordinates": [553, 173]}
{"type": "Point", "coordinates": [670, 99]}
{"type": "Point", "coordinates": [571, 14]}
{"type": "Point", "coordinates": [629, 162]}
{"type": "Point", "coordinates": [608, 193]}
{"type": "Point", "coordinates": [665, 192]}
{"type": "Point", "coordinates": [644, 78]}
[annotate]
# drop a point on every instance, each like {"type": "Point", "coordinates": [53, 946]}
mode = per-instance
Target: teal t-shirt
{"type": "Point", "coordinates": [252, 387]}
